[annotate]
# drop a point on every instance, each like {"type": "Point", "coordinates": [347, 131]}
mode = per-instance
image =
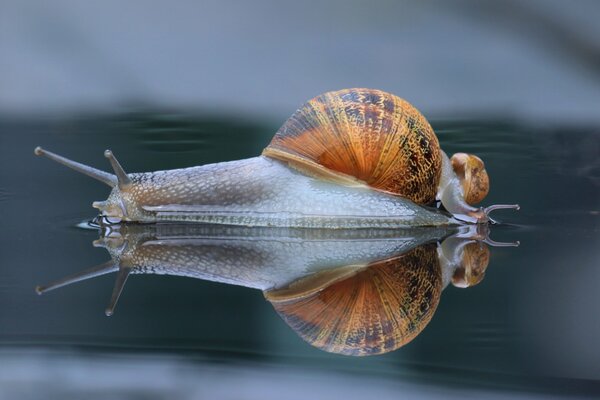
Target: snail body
{"type": "Point", "coordinates": [355, 158]}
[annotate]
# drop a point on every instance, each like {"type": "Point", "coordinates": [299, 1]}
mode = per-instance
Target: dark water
{"type": "Point", "coordinates": [531, 327]}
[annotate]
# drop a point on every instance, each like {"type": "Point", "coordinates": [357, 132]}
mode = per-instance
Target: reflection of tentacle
{"type": "Point", "coordinates": [493, 243]}
{"type": "Point", "coordinates": [117, 290]}
{"type": "Point", "coordinates": [482, 233]}
{"type": "Point", "coordinates": [99, 270]}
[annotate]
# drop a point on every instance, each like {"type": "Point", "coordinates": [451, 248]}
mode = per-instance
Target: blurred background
{"type": "Point", "coordinates": [170, 84]}
{"type": "Point", "coordinates": [536, 59]}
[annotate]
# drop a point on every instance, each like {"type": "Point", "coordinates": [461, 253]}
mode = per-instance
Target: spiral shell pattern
{"type": "Point", "coordinates": [474, 179]}
{"type": "Point", "coordinates": [373, 136]}
{"type": "Point", "coordinates": [375, 311]}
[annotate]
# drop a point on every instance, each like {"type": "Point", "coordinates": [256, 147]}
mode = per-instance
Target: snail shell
{"type": "Point", "coordinates": [370, 135]}
{"type": "Point", "coordinates": [373, 311]}
{"type": "Point", "coordinates": [474, 179]}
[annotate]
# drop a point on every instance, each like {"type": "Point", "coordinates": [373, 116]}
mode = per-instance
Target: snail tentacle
{"type": "Point", "coordinates": [105, 177]}
{"type": "Point", "coordinates": [487, 210]}
{"type": "Point", "coordinates": [123, 180]}
{"type": "Point", "coordinates": [493, 207]}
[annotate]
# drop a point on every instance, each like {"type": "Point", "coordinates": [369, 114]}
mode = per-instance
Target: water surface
{"type": "Point", "coordinates": [530, 327]}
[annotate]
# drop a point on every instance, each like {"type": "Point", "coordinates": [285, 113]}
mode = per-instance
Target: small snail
{"type": "Point", "coordinates": [354, 158]}
{"type": "Point", "coordinates": [355, 292]}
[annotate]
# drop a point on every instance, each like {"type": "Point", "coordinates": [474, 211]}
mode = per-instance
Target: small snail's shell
{"type": "Point", "coordinates": [370, 135]}
{"type": "Point", "coordinates": [373, 311]}
{"type": "Point", "coordinates": [470, 170]}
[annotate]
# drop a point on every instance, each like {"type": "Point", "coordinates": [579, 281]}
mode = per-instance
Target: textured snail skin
{"type": "Point", "coordinates": [261, 259]}
{"type": "Point", "coordinates": [354, 158]}
{"type": "Point", "coordinates": [267, 259]}
{"type": "Point", "coordinates": [264, 192]}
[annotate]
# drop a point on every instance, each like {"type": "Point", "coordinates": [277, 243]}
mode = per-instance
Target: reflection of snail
{"type": "Point", "coordinates": [354, 292]}
{"type": "Point", "coordinates": [355, 158]}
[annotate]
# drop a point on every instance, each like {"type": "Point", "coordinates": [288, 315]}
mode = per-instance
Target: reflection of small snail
{"type": "Point", "coordinates": [354, 158]}
{"type": "Point", "coordinates": [355, 292]}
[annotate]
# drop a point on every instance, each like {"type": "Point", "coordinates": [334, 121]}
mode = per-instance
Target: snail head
{"type": "Point", "coordinates": [118, 203]}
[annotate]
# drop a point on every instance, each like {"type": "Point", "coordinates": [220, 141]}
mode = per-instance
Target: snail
{"type": "Point", "coordinates": [354, 158]}
{"type": "Point", "coordinates": [355, 292]}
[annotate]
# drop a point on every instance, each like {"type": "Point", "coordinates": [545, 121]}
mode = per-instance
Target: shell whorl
{"type": "Point", "coordinates": [374, 311]}
{"type": "Point", "coordinates": [370, 135]}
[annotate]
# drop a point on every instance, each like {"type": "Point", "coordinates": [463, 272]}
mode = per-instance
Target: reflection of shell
{"type": "Point", "coordinates": [475, 259]}
{"type": "Point", "coordinates": [374, 311]}
{"type": "Point", "coordinates": [367, 134]}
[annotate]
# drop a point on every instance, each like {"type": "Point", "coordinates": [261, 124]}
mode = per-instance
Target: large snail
{"type": "Point", "coordinates": [355, 292]}
{"type": "Point", "coordinates": [354, 158]}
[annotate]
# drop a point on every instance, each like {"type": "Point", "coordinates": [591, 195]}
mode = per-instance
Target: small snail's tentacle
{"type": "Point", "coordinates": [491, 208]}
{"type": "Point", "coordinates": [122, 177]}
{"type": "Point", "coordinates": [102, 176]}
{"type": "Point", "coordinates": [487, 210]}
{"type": "Point", "coordinates": [122, 276]}
{"type": "Point", "coordinates": [99, 270]}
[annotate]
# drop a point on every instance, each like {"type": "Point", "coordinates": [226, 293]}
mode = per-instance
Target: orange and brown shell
{"type": "Point", "coordinates": [374, 310]}
{"type": "Point", "coordinates": [474, 179]}
{"type": "Point", "coordinates": [367, 135]}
